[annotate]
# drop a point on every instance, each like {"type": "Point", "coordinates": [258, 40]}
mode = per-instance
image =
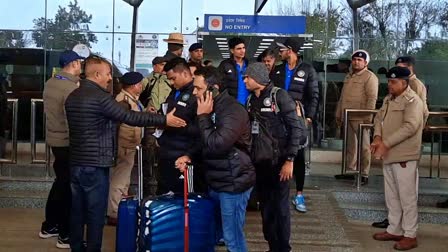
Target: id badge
{"type": "Point", "coordinates": [255, 127]}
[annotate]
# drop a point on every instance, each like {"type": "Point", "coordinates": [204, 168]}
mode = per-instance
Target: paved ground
{"type": "Point", "coordinates": [323, 228]}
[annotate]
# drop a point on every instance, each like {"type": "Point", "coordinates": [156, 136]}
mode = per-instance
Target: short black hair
{"type": "Point", "coordinates": [177, 65]}
{"type": "Point", "coordinates": [211, 75]}
{"type": "Point", "coordinates": [235, 41]}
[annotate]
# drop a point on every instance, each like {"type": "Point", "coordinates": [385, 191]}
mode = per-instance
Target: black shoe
{"type": "Point", "coordinates": [443, 204]}
{"type": "Point", "coordinates": [364, 181]}
{"type": "Point", "coordinates": [48, 232]}
{"type": "Point", "coordinates": [345, 176]}
{"type": "Point", "coordinates": [381, 224]}
{"type": "Point", "coordinates": [63, 243]}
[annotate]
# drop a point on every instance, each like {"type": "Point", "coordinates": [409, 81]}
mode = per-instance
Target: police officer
{"type": "Point", "coordinates": [419, 88]}
{"type": "Point", "coordinates": [397, 141]}
{"type": "Point", "coordinates": [360, 91]}
{"type": "Point", "coordinates": [273, 178]}
{"type": "Point", "coordinates": [415, 84]}
{"type": "Point", "coordinates": [179, 145]}
{"type": "Point", "coordinates": [128, 138]}
{"type": "Point", "coordinates": [300, 80]}
{"type": "Point", "coordinates": [196, 53]}
{"type": "Point", "coordinates": [233, 70]}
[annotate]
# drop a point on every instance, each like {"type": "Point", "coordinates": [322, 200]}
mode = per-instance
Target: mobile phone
{"type": "Point", "coordinates": [214, 91]}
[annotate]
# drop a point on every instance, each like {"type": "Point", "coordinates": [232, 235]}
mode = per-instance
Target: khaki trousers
{"type": "Point", "coordinates": [401, 193]}
{"type": "Point", "coordinates": [120, 179]}
{"type": "Point", "coordinates": [352, 144]}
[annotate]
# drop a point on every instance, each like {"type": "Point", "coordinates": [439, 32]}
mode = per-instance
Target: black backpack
{"type": "Point", "coordinates": [265, 148]}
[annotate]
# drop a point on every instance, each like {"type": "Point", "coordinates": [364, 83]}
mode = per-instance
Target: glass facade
{"type": "Point", "coordinates": [33, 32]}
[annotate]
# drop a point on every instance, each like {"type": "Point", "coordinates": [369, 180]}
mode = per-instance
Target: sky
{"type": "Point", "coordinates": [154, 16]}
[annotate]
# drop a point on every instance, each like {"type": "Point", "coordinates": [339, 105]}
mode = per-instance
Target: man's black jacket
{"type": "Point", "coordinates": [176, 142]}
{"type": "Point", "coordinates": [304, 85]}
{"type": "Point", "coordinates": [284, 126]}
{"type": "Point", "coordinates": [226, 141]}
{"type": "Point", "coordinates": [228, 69]}
{"type": "Point", "coordinates": [92, 116]}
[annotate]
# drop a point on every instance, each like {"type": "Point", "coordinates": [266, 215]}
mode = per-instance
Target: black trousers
{"type": "Point", "coordinates": [168, 178]}
{"type": "Point", "coordinates": [274, 205]}
{"type": "Point", "coordinates": [299, 170]}
{"type": "Point", "coordinates": [57, 209]}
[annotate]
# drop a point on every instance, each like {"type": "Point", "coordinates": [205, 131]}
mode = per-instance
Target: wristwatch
{"type": "Point", "coordinates": [290, 158]}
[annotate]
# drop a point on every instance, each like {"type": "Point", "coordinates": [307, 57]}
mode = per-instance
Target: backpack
{"type": "Point", "coordinates": [265, 148]}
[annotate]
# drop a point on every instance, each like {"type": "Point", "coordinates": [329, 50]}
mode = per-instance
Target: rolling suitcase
{"type": "Point", "coordinates": [175, 222]}
{"type": "Point", "coordinates": [126, 234]}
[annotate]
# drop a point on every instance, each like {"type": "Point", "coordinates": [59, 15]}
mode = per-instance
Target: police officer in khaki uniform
{"type": "Point", "coordinates": [128, 138]}
{"type": "Point", "coordinates": [360, 91]}
{"type": "Point", "coordinates": [418, 87]}
{"type": "Point", "coordinates": [397, 140]}
{"type": "Point", "coordinates": [414, 82]}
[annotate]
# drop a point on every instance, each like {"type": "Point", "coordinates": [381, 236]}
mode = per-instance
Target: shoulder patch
{"type": "Point", "coordinates": [185, 97]}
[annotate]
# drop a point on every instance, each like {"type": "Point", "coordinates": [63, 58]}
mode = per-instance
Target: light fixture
{"type": "Point", "coordinates": [263, 43]}
{"type": "Point", "coordinates": [134, 3]}
{"type": "Point", "coordinates": [270, 40]}
{"type": "Point", "coordinates": [223, 49]}
{"type": "Point", "coordinates": [264, 47]}
{"type": "Point", "coordinates": [307, 47]}
{"type": "Point", "coordinates": [221, 39]}
{"type": "Point", "coordinates": [221, 43]}
{"type": "Point", "coordinates": [308, 44]}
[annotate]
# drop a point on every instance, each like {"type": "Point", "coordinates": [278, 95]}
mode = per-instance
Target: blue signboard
{"type": "Point", "coordinates": [255, 24]}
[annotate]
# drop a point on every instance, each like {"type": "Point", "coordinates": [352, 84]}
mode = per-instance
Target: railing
{"type": "Point", "coordinates": [436, 129]}
{"type": "Point", "coordinates": [15, 109]}
{"type": "Point", "coordinates": [361, 128]}
{"type": "Point", "coordinates": [347, 114]}
{"type": "Point", "coordinates": [34, 160]}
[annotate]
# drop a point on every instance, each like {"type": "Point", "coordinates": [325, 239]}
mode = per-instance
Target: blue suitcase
{"type": "Point", "coordinates": [163, 227]}
{"type": "Point", "coordinates": [126, 234]}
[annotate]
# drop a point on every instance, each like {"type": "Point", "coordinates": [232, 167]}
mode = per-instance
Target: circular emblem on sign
{"type": "Point", "coordinates": [185, 97]}
{"type": "Point", "coordinates": [301, 73]}
{"type": "Point", "coordinates": [393, 75]}
{"type": "Point", "coordinates": [215, 22]}
{"type": "Point", "coordinates": [267, 102]}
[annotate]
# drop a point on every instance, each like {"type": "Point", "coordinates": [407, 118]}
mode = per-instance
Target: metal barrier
{"type": "Point", "coordinates": [436, 129]}
{"type": "Point", "coordinates": [140, 173]}
{"type": "Point", "coordinates": [361, 128]}
{"type": "Point", "coordinates": [347, 114]}
{"type": "Point", "coordinates": [34, 160]}
{"type": "Point", "coordinates": [15, 109]}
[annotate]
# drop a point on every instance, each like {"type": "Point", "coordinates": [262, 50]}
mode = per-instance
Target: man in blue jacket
{"type": "Point", "coordinates": [92, 115]}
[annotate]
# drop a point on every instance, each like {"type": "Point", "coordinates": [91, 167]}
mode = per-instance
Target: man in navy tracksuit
{"type": "Point", "coordinates": [300, 80]}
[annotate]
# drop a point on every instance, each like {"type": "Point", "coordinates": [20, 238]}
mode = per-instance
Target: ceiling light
{"type": "Point", "coordinates": [222, 46]}
{"type": "Point", "coordinates": [220, 38]}
{"type": "Point", "coordinates": [223, 49]}
{"type": "Point", "coordinates": [221, 43]}
{"type": "Point", "coordinates": [262, 43]}
{"type": "Point", "coordinates": [270, 40]}
{"type": "Point", "coordinates": [307, 47]}
{"type": "Point", "coordinates": [264, 47]}
{"type": "Point", "coordinates": [308, 44]}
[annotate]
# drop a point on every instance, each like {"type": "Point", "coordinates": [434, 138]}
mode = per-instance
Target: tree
{"type": "Point", "coordinates": [68, 28]}
{"type": "Point", "coordinates": [433, 49]}
{"type": "Point", "coordinates": [317, 19]}
{"type": "Point", "coordinates": [12, 39]}
{"type": "Point", "coordinates": [355, 5]}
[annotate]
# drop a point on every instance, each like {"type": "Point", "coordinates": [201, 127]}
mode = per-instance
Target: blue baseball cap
{"type": "Point", "coordinates": [68, 56]}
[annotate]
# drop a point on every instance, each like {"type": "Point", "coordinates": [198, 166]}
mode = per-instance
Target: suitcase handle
{"type": "Point", "coordinates": [140, 174]}
{"type": "Point", "coordinates": [188, 187]}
